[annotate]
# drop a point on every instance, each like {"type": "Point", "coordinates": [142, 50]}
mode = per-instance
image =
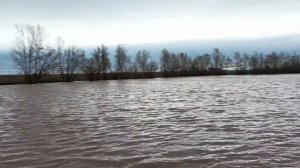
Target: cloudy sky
{"type": "Point", "coordinates": [92, 22]}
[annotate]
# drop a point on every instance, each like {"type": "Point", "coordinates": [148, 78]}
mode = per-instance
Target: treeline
{"type": "Point", "coordinates": [36, 60]}
{"type": "Point", "coordinates": [217, 63]}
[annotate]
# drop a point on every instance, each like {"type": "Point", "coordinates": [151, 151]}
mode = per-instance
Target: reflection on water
{"type": "Point", "coordinates": [229, 121]}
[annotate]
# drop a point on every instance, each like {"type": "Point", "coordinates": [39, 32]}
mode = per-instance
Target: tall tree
{"type": "Point", "coordinates": [143, 63]}
{"type": "Point", "coordinates": [165, 61]}
{"type": "Point", "coordinates": [217, 59]}
{"type": "Point", "coordinates": [238, 61]}
{"type": "Point", "coordinates": [174, 62]}
{"type": "Point", "coordinates": [202, 62]}
{"type": "Point", "coordinates": [254, 61]}
{"type": "Point", "coordinates": [105, 61]}
{"type": "Point", "coordinates": [89, 67]}
{"type": "Point", "coordinates": [184, 62]}
{"type": "Point", "coordinates": [121, 59]}
{"type": "Point", "coordinates": [273, 60]}
{"type": "Point", "coordinates": [101, 60]}
{"type": "Point", "coordinates": [97, 60]}
{"type": "Point", "coordinates": [30, 53]}
{"type": "Point", "coordinates": [142, 60]}
{"type": "Point", "coordinates": [72, 60]}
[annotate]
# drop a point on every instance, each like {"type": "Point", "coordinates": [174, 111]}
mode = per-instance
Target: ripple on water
{"type": "Point", "coordinates": [230, 121]}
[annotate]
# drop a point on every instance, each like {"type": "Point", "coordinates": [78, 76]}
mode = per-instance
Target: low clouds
{"type": "Point", "coordinates": [90, 22]}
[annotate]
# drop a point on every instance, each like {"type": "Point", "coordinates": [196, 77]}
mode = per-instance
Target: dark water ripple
{"type": "Point", "coordinates": [230, 121]}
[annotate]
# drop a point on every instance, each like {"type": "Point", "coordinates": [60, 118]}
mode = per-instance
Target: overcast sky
{"type": "Point", "coordinates": [92, 22]}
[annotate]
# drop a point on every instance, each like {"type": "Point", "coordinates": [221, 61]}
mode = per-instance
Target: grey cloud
{"type": "Point", "coordinates": [110, 9]}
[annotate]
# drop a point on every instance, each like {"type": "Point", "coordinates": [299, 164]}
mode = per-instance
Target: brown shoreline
{"type": "Point", "coordinates": [19, 79]}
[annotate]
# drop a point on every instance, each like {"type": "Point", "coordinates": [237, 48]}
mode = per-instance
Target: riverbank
{"type": "Point", "coordinates": [19, 79]}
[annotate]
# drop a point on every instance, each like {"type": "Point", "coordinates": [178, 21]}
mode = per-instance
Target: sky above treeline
{"type": "Point", "coordinates": [92, 22]}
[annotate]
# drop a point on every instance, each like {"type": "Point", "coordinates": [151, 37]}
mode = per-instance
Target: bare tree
{"type": "Point", "coordinates": [202, 62]}
{"type": "Point", "coordinates": [254, 61]}
{"type": "Point", "coordinates": [142, 60]}
{"type": "Point", "coordinates": [206, 61]}
{"type": "Point", "coordinates": [174, 62]}
{"type": "Point", "coordinates": [217, 58]}
{"type": "Point", "coordinates": [31, 54]}
{"type": "Point", "coordinates": [105, 61]}
{"type": "Point", "coordinates": [101, 59]}
{"type": "Point", "coordinates": [143, 63]}
{"type": "Point", "coordinates": [165, 60]}
{"type": "Point", "coordinates": [121, 59]}
{"type": "Point", "coordinates": [89, 67]}
{"type": "Point", "coordinates": [238, 61]}
{"type": "Point", "coordinates": [71, 61]}
{"type": "Point", "coordinates": [184, 62]}
{"type": "Point", "coordinates": [273, 60]}
{"type": "Point", "coordinates": [96, 60]}
{"type": "Point", "coordinates": [171, 62]}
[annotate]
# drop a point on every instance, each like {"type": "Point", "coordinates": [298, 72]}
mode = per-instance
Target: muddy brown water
{"type": "Point", "coordinates": [225, 121]}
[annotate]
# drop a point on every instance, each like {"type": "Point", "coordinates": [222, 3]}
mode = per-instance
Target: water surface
{"type": "Point", "coordinates": [225, 121]}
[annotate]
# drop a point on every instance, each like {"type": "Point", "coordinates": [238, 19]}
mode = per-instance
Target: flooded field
{"type": "Point", "coordinates": [225, 121]}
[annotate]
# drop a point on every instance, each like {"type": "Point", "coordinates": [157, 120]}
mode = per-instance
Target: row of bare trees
{"type": "Point", "coordinates": [218, 62]}
{"type": "Point", "coordinates": [171, 62]}
{"type": "Point", "coordinates": [36, 59]}
{"type": "Point", "coordinates": [273, 61]}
